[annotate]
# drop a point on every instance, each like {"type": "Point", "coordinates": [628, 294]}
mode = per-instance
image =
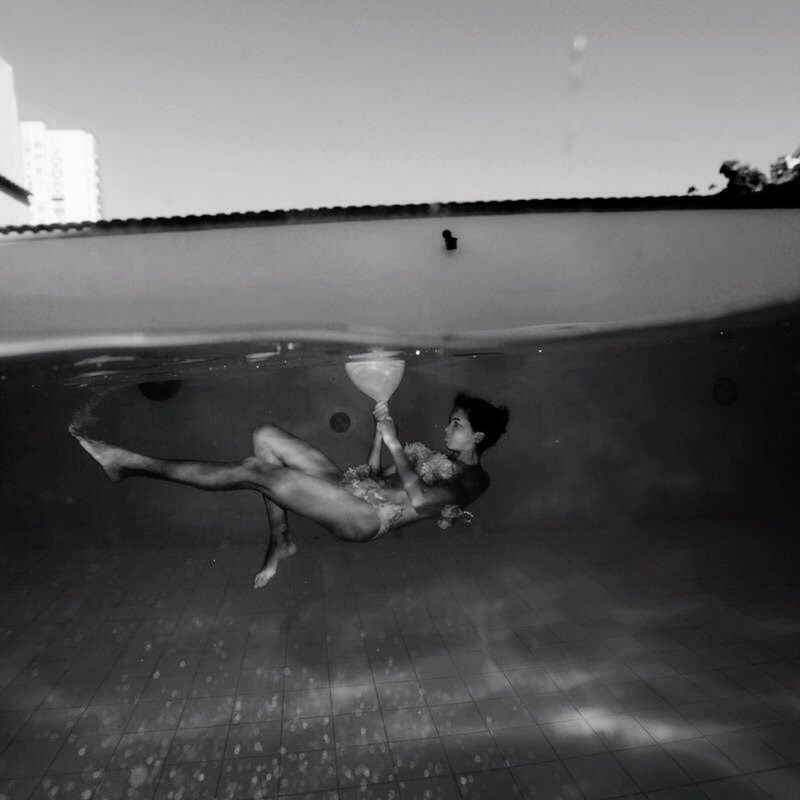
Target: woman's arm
{"type": "Point", "coordinates": [412, 485]}
{"type": "Point", "coordinates": [374, 459]}
{"type": "Point", "coordinates": [423, 498]}
{"type": "Point", "coordinates": [427, 500]}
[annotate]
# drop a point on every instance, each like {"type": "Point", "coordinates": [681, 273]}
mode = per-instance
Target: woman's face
{"type": "Point", "coordinates": [458, 435]}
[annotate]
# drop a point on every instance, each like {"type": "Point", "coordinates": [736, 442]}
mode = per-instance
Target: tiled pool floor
{"type": "Point", "coordinates": [651, 662]}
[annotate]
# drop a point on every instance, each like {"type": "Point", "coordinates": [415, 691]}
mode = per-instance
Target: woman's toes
{"type": "Point", "coordinates": [264, 577]}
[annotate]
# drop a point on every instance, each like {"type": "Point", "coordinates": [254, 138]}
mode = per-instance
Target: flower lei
{"type": "Point", "coordinates": [432, 466]}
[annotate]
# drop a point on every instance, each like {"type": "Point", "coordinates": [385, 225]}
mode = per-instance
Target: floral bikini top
{"type": "Point", "coordinates": [430, 465]}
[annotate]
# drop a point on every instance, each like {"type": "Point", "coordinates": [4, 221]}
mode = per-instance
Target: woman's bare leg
{"type": "Point", "coordinates": [276, 447]}
{"type": "Point", "coordinates": [119, 463]}
{"type": "Point", "coordinates": [279, 542]}
{"type": "Point", "coordinates": [312, 496]}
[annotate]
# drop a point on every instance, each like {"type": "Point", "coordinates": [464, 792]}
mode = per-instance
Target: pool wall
{"type": "Point", "coordinates": [510, 271]}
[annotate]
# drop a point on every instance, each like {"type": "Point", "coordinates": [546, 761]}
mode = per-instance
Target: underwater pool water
{"type": "Point", "coordinates": [620, 619]}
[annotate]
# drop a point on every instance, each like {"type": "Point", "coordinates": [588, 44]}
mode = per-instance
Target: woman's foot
{"type": "Point", "coordinates": [280, 552]}
{"type": "Point", "coordinates": [106, 455]}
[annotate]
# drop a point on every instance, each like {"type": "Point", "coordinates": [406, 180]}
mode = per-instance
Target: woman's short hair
{"type": "Point", "coordinates": [488, 419]}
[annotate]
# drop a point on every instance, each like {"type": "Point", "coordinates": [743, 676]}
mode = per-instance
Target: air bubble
{"type": "Point", "coordinates": [579, 43]}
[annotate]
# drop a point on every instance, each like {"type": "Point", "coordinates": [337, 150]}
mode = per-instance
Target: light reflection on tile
{"type": "Point", "coordinates": [667, 679]}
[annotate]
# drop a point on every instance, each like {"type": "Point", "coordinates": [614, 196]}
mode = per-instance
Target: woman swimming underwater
{"type": "Point", "coordinates": [354, 504]}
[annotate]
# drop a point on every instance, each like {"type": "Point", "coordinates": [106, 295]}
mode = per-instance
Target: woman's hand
{"type": "Point", "coordinates": [384, 423]}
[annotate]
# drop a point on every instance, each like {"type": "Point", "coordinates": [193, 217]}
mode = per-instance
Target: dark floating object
{"type": "Point", "coordinates": [160, 390]}
{"type": "Point", "coordinates": [726, 391]}
{"type": "Point", "coordinates": [340, 422]}
{"type": "Point", "coordinates": [450, 241]}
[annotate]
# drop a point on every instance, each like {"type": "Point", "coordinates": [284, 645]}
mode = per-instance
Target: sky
{"type": "Point", "coordinates": [202, 106]}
